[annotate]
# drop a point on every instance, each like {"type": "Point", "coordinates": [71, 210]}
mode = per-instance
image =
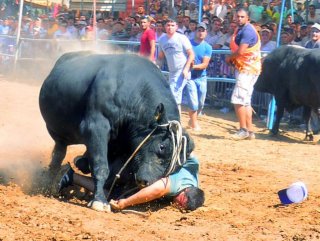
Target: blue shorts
{"type": "Point", "coordinates": [196, 90]}
{"type": "Point", "coordinates": [177, 82]}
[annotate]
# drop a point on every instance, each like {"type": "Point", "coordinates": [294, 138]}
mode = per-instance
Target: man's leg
{"type": "Point", "coordinates": [241, 112]}
{"type": "Point", "coordinates": [83, 181]}
{"type": "Point", "coordinates": [249, 124]}
{"type": "Point", "coordinates": [193, 120]}
{"type": "Point", "coordinates": [177, 83]}
{"type": "Point", "coordinates": [238, 99]}
{"type": "Point", "coordinates": [192, 96]}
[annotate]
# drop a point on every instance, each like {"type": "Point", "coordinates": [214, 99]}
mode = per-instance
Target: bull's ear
{"type": "Point", "coordinates": [160, 114]}
{"type": "Point", "coordinates": [190, 143]}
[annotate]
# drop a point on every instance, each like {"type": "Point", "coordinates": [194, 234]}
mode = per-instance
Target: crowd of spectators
{"type": "Point", "coordinates": [218, 14]}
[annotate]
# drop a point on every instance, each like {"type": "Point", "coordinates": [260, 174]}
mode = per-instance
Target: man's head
{"type": "Point", "coordinates": [186, 21]}
{"type": "Point", "coordinates": [145, 22]}
{"type": "Point", "coordinates": [315, 32]}
{"type": "Point", "coordinates": [304, 30]}
{"type": "Point", "coordinates": [159, 26]}
{"type": "Point", "coordinates": [216, 25]}
{"type": "Point", "coordinates": [201, 31]}
{"type": "Point", "coordinates": [190, 198]}
{"type": "Point", "coordinates": [171, 27]}
{"type": "Point", "coordinates": [266, 35]}
{"type": "Point", "coordinates": [193, 25]}
{"type": "Point", "coordinates": [287, 36]}
{"type": "Point", "coordinates": [312, 9]}
{"type": "Point", "coordinates": [242, 17]}
{"type": "Point", "coordinates": [135, 29]}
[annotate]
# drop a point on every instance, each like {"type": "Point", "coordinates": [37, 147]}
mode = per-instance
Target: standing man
{"type": "Point", "coordinates": [314, 43]}
{"type": "Point", "coordinates": [196, 88]}
{"type": "Point", "coordinates": [148, 39]}
{"type": "Point", "coordinates": [245, 48]}
{"type": "Point", "coordinates": [178, 51]}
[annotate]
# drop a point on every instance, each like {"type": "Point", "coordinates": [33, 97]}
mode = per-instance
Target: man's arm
{"type": "Point", "coordinates": [203, 65]}
{"type": "Point", "coordinates": [156, 190]}
{"type": "Point", "coordinates": [240, 51]}
{"type": "Point", "coordinates": [190, 60]}
{"type": "Point", "coordinates": [152, 49]}
{"type": "Point", "coordinates": [160, 58]}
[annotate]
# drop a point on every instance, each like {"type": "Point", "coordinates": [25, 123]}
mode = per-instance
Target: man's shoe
{"type": "Point", "coordinates": [251, 136]}
{"type": "Point", "coordinates": [66, 180]}
{"type": "Point", "coordinates": [242, 134]}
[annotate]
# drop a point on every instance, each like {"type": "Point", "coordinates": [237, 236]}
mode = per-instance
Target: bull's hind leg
{"type": "Point", "coordinates": [307, 117]}
{"type": "Point", "coordinates": [97, 132]}
{"type": "Point", "coordinates": [279, 115]}
{"type": "Point", "coordinates": [48, 181]}
{"type": "Point", "coordinates": [58, 154]}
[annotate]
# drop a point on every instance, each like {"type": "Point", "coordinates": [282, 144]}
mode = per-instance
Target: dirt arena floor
{"type": "Point", "coordinates": [240, 179]}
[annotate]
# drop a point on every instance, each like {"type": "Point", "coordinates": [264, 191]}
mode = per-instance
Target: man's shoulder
{"type": "Point", "coordinates": [163, 38]}
{"type": "Point", "coordinates": [150, 31]}
{"type": "Point", "coordinates": [206, 46]}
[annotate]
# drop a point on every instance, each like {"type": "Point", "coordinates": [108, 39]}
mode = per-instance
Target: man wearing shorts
{"type": "Point", "coordinates": [245, 48]}
{"type": "Point", "coordinates": [196, 88]}
{"type": "Point", "coordinates": [179, 55]}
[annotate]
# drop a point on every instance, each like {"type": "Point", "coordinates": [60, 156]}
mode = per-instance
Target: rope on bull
{"type": "Point", "coordinates": [178, 140]}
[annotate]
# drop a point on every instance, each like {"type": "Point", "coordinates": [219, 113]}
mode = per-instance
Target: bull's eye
{"type": "Point", "coordinates": [162, 148]}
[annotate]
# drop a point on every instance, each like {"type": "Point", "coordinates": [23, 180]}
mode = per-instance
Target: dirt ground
{"type": "Point", "coordinates": [240, 179]}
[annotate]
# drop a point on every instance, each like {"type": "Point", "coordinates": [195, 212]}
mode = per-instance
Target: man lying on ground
{"type": "Point", "coordinates": [182, 186]}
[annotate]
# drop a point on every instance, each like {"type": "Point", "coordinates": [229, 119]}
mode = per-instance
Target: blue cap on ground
{"type": "Point", "coordinates": [295, 193]}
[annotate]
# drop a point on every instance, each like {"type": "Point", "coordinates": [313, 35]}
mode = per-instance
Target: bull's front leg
{"type": "Point", "coordinates": [97, 136]}
{"type": "Point", "coordinates": [307, 120]}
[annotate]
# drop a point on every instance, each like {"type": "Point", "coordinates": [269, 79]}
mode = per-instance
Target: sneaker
{"type": "Point", "coordinates": [251, 136]}
{"type": "Point", "coordinates": [240, 135]}
{"type": "Point", "coordinates": [196, 129]}
{"type": "Point", "coordinates": [66, 180]}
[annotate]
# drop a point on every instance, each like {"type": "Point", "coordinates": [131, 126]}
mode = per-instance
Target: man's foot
{"type": "Point", "coordinates": [251, 136]}
{"type": "Point", "coordinates": [242, 134]}
{"type": "Point", "coordinates": [197, 128]}
{"type": "Point", "coordinates": [66, 180]}
{"type": "Point", "coordinates": [189, 126]}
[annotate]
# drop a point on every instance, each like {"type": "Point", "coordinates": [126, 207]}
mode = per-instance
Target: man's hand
{"type": "Point", "coordinates": [185, 73]}
{"type": "Point", "coordinates": [117, 204]}
{"type": "Point", "coordinates": [228, 60]}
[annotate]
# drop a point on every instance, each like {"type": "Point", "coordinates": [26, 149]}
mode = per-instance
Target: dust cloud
{"type": "Point", "coordinates": [25, 145]}
{"type": "Point", "coordinates": [38, 58]}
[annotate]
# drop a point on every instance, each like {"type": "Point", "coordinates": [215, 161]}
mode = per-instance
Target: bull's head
{"type": "Point", "coordinates": [154, 158]}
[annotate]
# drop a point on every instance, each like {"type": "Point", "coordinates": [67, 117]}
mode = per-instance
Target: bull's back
{"type": "Point", "coordinates": [111, 84]}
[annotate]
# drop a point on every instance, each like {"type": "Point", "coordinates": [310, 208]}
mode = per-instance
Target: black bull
{"type": "Point", "coordinates": [110, 103]}
{"type": "Point", "coordinates": [292, 75]}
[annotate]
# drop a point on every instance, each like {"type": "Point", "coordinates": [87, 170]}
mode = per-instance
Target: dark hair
{"type": "Point", "coordinates": [193, 21]}
{"type": "Point", "coordinates": [147, 17]}
{"type": "Point", "coordinates": [195, 198]}
{"type": "Point", "coordinates": [240, 9]}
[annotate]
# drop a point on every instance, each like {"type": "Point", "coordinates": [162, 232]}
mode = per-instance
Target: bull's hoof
{"type": "Point", "coordinates": [273, 133]}
{"type": "Point", "coordinates": [309, 138]}
{"type": "Point", "coordinates": [100, 206]}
